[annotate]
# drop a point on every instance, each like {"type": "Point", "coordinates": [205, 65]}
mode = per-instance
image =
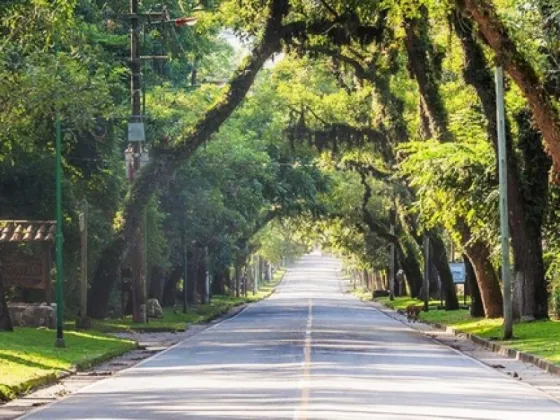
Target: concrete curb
{"type": "Point", "coordinates": [486, 344]}
{"type": "Point", "coordinates": [503, 350]}
{"type": "Point", "coordinates": [32, 385]}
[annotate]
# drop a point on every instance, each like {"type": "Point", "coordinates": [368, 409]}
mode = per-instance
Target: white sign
{"type": "Point", "coordinates": [136, 132]}
{"type": "Point", "coordinates": [458, 272]}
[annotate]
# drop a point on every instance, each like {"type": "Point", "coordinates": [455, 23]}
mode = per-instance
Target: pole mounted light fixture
{"type": "Point", "coordinates": [178, 22]}
{"type": "Point", "coordinates": [185, 21]}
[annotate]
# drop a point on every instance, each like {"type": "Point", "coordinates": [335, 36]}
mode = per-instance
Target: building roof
{"type": "Point", "coordinates": [15, 231]}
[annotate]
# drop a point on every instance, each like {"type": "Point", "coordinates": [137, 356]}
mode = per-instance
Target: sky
{"type": "Point", "coordinates": [242, 48]}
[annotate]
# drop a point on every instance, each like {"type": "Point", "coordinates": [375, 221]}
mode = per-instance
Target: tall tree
{"type": "Point", "coordinates": [530, 297]}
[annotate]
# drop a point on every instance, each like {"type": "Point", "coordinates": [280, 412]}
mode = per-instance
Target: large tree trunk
{"type": "Point", "coordinates": [494, 33]}
{"type": "Point", "coordinates": [418, 45]}
{"type": "Point", "coordinates": [530, 287]}
{"type": "Point", "coordinates": [201, 278]}
{"type": "Point", "coordinates": [411, 267]}
{"type": "Point", "coordinates": [219, 283]}
{"type": "Point", "coordinates": [166, 161]}
{"type": "Point", "coordinates": [440, 260]}
{"type": "Point", "coordinates": [192, 267]}
{"type": "Point", "coordinates": [107, 273]}
{"type": "Point", "coordinates": [478, 254]}
{"type": "Point", "coordinates": [237, 280]}
{"type": "Point", "coordinates": [5, 320]}
{"type": "Point", "coordinates": [528, 268]}
{"type": "Point", "coordinates": [471, 285]}
{"type": "Point", "coordinates": [170, 287]}
{"type": "Point", "coordinates": [157, 283]}
{"type": "Point", "coordinates": [227, 280]}
{"type": "Point", "coordinates": [487, 280]}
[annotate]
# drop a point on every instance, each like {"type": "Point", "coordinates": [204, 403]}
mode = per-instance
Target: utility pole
{"type": "Point", "coordinates": [426, 272]}
{"type": "Point", "coordinates": [255, 274]}
{"type": "Point", "coordinates": [58, 238]}
{"type": "Point", "coordinates": [207, 277]}
{"type": "Point", "coordinates": [392, 256]}
{"type": "Point", "coordinates": [185, 273]}
{"type": "Point", "coordinates": [58, 209]}
{"type": "Point", "coordinates": [84, 262]}
{"type": "Point", "coordinates": [136, 134]}
{"type": "Point", "coordinates": [504, 227]}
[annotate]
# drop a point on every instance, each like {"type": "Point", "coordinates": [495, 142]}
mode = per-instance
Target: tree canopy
{"type": "Point", "coordinates": [359, 126]}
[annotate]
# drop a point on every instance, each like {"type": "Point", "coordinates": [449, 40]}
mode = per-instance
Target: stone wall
{"type": "Point", "coordinates": [32, 315]}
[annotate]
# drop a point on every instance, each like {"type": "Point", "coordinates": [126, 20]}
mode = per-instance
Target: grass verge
{"type": "Point", "coordinates": [540, 338]}
{"type": "Point", "coordinates": [175, 320]}
{"type": "Point", "coordinates": [28, 357]}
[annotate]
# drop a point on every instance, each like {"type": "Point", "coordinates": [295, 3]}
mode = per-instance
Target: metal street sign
{"type": "Point", "coordinates": [136, 132]}
{"type": "Point", "coordinates": [458, 272]}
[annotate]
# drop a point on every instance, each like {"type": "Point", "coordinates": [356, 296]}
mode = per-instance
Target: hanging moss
{"type": "Point", "coordinates": [334, 136]}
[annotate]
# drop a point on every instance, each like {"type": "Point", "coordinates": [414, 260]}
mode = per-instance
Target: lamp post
{"type": "Point", "coordinates": [58, 237]}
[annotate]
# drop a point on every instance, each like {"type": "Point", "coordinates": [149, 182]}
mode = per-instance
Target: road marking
{"type": "Point", "coordinates": [301, 412]}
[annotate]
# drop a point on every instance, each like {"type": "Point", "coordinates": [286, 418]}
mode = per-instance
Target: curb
{"type": "Point", "coordinates": [52, 378]}
{"type": "Point", "coordinates": [482, 342]}
{"type": "Point", "coordinates": [503, 350]}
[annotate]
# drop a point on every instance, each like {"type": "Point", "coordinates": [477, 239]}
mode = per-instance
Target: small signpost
{"type": "Point", "coordinates": [459, 274]}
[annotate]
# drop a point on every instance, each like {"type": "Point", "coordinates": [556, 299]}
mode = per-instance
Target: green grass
{"type": "Point", "coordinates": [28, 357]}
{"type": "Point", "coordinates": [400, 302]}
{"type": "Point", "coordinates": [541, 338]}
{"type": "Point", "coordinates": [175, 320]}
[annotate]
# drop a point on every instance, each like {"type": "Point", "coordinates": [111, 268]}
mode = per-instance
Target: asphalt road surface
{"type": "Point", "coordinates": [308, 352]}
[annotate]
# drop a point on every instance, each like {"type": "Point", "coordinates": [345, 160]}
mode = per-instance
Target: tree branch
{"type": "Point", "coordinates": [169, 160]}
{"type": "Point", "coordinates": [494, 33]}
{"type": "Point", "coordinates": [329, 8]}
{"type": "Point", "coordinates": [373, 225]}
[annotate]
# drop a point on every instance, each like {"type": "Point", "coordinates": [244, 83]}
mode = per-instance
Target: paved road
{"type": "Point", "coordinates": [308, 352]}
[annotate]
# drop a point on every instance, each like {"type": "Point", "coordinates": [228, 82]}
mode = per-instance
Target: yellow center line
{"type": "Point", "coordinates": [304, 400]}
